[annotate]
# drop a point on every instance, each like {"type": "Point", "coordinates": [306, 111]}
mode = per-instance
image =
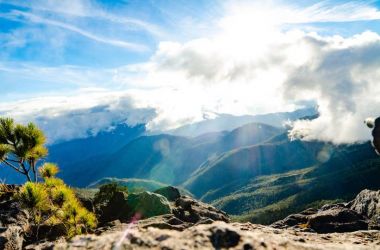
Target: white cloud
{"type": "Point", "coordinates": [250, 66]}
{"type": "Point", "coordinates": [280, 12]}
{"type": "Point", "coordinates": [88, 9]}
{"type": "Point", "coordinates": [343, 76]}
{"type": "Point", "coordinates": [38, 19]}
{"type": "Point", "coordinates": [80, 115]}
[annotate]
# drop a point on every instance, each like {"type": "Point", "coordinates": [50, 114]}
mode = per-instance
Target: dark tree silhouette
{"type": "Point", "coordinates": [21, 147]}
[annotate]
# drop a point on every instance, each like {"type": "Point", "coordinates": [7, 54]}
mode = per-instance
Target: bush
{"type": "Point", "coordinates": [48, 170]}
{"type": "Point", "coordinates": [52, 203]}
{"type": "Point", "coordinates": [106, 192]}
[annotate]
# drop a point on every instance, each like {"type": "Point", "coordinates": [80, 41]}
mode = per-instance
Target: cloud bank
{"type": "Point", "coordinates": [253, 63]}
{"type": "Point", "coordinates": [82, 115]}
{"type": "Point", "coordinates": [343, 76]}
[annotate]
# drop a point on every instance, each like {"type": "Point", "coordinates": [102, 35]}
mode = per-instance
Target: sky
{"type": "Point", "coordinates": [78, 66]}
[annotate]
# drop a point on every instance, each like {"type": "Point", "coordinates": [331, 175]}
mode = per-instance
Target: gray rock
{"type": "Point", "coordinates": [12, 238]}
{"type": "Point", "coordinates": [124, 207]}
{"type": "Point", "coordinates": [171, 193]}
{"type": "Point", "coordinates": [367, 203]}
{"type": "Point", "coordinates": [337, 219]}
{"type": "Point", "coordinates": [14, 221]}
{"type": "Point", "coordinates": [220, 235]}
{"type": "Point", "coordinates": [362, 213]}
{"type": "Point", "coordinates": [189, 210]}
{"type": "Point", "coordinates": [224, 237]}
{"type": "Point", "coordinates": [147, 204]}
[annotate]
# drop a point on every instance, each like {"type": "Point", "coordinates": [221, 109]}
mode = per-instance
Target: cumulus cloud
{"type": "Point", "coordinates": [343, 76]}
{"type": "Point", "coordinates": [277, 68]}
{"type": "Point", "coordinates": [251, 65]}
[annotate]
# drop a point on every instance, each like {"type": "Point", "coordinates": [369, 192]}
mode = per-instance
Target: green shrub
{"type": "Point", "coordinates": [48, 170]}
{"type": "Point", "coordinates": [53, 182]}
{"type": "Point", "coordinates": [34, 195]}
{"type": "Point", "coordinates": [54, 203]}
{"type": "Point", "coordinates": [35, 198]}
{"type": "Point", "coordinates": [107, 191]}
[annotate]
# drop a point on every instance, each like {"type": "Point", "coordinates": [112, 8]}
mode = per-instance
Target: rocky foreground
{"type": "Point", "coordinates": [220, 235]}
{"type": "Point", "coordinates": [195, 225]}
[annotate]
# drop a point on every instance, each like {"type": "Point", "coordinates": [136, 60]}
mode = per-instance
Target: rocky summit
{"type": "Point", "coordinates": [190, 224]}
{"type": "Point", "coordinates": [221, 235]}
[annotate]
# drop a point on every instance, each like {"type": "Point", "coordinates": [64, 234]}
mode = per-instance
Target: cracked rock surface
{"type": "Point", "coordinates": [221, 235]}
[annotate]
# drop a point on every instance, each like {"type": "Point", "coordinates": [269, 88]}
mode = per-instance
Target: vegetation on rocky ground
{"type": "Point", "coordinates": [52, 203]}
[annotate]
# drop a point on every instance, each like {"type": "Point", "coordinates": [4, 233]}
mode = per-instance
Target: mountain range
{"type": "Point", "coordinates": [253, 171]}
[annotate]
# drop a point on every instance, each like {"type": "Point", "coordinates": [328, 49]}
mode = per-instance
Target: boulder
{"type": "Point", "coordinates": [224, 237]}
{"type": "Point", "coordinates": [295, 220]}
{"type": "Point", "coordinates": [362, 213]}
{"type": "Point", "coordinates": [12, 238]}
{"type": "Point", "coordinates": [189, 210]}
{"type": "Point", "coordinates": [115, 209]}
{"type": "Point", "coordinates": [187, 213]}
{"type": "Point", "coordinates": [337, 220]}
{"type": "Point", "coordinates": [147, 204]}
{"type": "Point", "coordinates": [367, 203]}
{"type": "Point", "coordinates": [144, 205]}
{"type": "Point", "coordinates": [171, 193]}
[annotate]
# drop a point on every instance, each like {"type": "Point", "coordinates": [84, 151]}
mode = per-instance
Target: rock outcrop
{"type": "Point", "coordinates": [124, 207]}
{"type": "Point", "coordinates": [185, 223]}
{"type": "Point", "coordinates": [147, 204]}
{"type": "Point", "coordinates": [367, 203]}
{"type": "Point", "coordinates": [176, 212]}
{"type": "Point", "coordinates": [221, 235]}
{"type": "Point", "coordinates": [14, 221]}
{"type": "Point", "coordinates": [362, 213]}
{"type": "Point", "coordinates": [170, 193]}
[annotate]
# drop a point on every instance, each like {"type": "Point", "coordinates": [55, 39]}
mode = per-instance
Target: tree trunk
{"type": "Point", "coordinates": [33, 165]}
{"type": "Point", "coordinates": [28, 177]}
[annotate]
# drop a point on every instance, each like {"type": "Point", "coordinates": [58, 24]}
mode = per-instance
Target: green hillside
{"type": "Point", "coordinates": [134, 185]}
{"type": "Point", "coordinates": [268, 198]}
{"type": "Point", "coordinates": [254, 173]}
{"type": "Point", "coordinates": [165, 158]}
{"type": "Point", "coordinates": [242, 164]}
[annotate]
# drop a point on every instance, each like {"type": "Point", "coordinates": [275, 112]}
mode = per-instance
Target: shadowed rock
{"type": "Point", "coordinates": [171, 193]}
{"type": "Point", "coordinates": [362, 213]}
{"type": "Point", "coordinates": [337, 220]}
{"type": "Point", "coordinates": [14, 221]}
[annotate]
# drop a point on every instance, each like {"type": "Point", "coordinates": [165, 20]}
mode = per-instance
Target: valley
{"type": "Point", "coordinates": [253, 172]}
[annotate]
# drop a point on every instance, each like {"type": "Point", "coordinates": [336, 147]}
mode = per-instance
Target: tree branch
{"type": "Point", "coordinates": [10, 160]}
{"type": "Point", "coordinates": [13, 166]}
{"type": "Point", "coordinates": [24, 168]}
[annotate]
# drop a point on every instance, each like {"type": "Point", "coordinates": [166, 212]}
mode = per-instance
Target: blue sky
{"type": "Point", "coordinates": [88, 34]}
{"type": "Point", "coordinates": [181, 58]}
{"type": "Point", "coordinates": [50, 34]}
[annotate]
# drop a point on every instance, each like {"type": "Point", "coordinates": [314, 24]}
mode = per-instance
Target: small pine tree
{"type": "Point", "coordinates": [21, 147]}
